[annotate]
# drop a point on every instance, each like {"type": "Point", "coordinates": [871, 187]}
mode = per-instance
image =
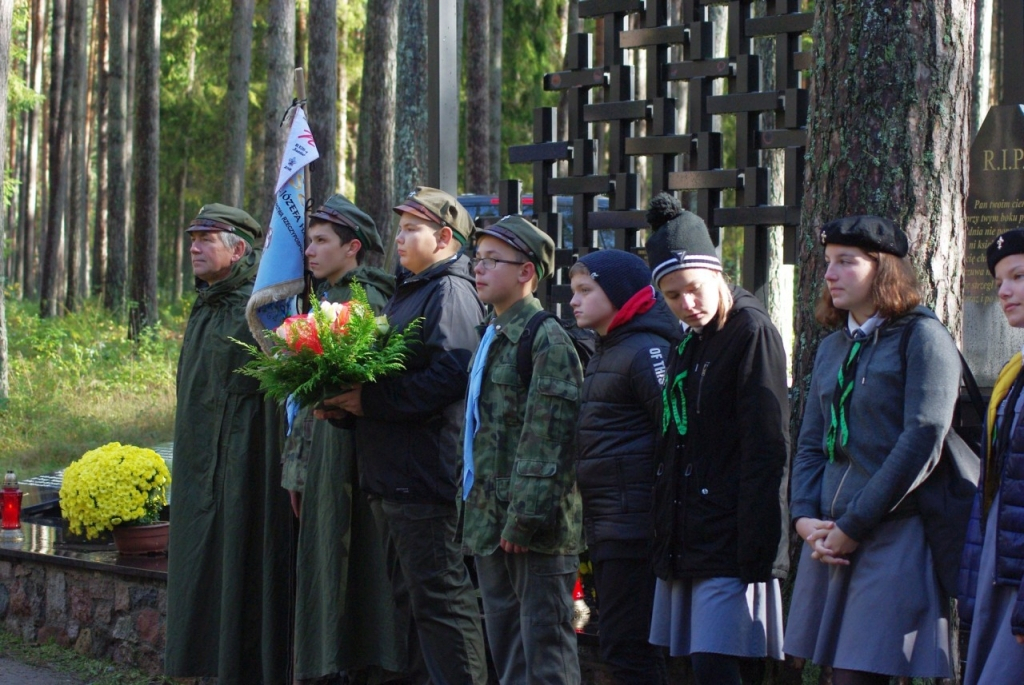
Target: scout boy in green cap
{"type": "Point", "coordinates": [522, 511]}
{"type": "Point", "coordinates": [407, 432]}
{"type": "Point", "coordinates": [344, 611]}
{"type": "Point", "coordinates": [228, 568]}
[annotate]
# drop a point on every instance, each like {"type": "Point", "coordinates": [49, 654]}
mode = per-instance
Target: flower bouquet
{"type": "Point", "coordinates": [316, 355]}
{"type": "Point", "coordinates": [114, 485]}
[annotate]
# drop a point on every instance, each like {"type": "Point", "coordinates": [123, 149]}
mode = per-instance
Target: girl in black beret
{"type": "Point", "coordinates": [991, 602]}
{"type": "Point", "coordinates": [867, 600]}
{"type": "Point", "coordinates": [722, 450]}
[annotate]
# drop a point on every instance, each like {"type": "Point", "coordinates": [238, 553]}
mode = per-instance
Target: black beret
{"type": "Point", "coordinates": [1011, 242]}
{"type": "Point", "coordinates": [871, 233]}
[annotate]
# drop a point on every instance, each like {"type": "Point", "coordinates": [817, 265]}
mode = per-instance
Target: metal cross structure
{"type": "Point", "coordinates": [690, 160]}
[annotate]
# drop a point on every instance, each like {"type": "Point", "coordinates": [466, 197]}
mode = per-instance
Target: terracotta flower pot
{"type": "Point", "coordinates": [138, 540]}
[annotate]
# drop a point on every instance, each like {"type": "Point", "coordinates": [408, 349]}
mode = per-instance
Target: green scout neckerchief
{"type": "Point", "coordinates": [839, 426]}
{"type": "Point", "coordinates": [673, 399]}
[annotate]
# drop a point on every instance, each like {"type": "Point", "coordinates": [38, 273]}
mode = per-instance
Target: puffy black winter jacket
{"type": "Point", "coordinates": [720, 489]}
{"type": "Point", "coordinates": [616, 432]}
{"type": "Point", "coordinates": [407, 442]}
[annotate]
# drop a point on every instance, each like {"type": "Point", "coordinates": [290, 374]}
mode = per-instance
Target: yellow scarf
{"type": "Point", "coordinates": [1002, 388]}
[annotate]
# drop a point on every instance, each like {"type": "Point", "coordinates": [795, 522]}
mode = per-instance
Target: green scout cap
{"type": "Point", "coordinates": [339, 210]}
{"type": "Point", "coordinates": [431, 204]}
{"type": "Point", "coordinates": [218, 217]}
{"type": "Point", "coordinates": [522, 235]}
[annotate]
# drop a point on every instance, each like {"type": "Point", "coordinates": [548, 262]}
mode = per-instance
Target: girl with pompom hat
{"type": "Point", "coordinates": [719, 547]}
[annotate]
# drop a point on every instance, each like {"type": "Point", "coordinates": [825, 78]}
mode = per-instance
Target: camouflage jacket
{"type": "Point", "coordinates": [524, 488]}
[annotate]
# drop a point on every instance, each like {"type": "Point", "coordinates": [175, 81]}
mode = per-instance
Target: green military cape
{"type": "Point", "coordinates": [345, 613]}
{"type": "Point", "coordinates": [229, 566]}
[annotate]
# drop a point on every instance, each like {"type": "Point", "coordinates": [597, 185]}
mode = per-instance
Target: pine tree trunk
{"type": "Point", "coordinates": [60, 119]}
{"type": "Point", "coordinates": [982, 84]}
{"type": "Point", "coordinates": [180, 239]}
{"type": "Point", "coordinates": [236, 102]}
{"type": "Point", "coordinates": [78, 213]}
{"type": "Point", "coordinates": [29, 199]}
{"type": "Point", "coordinates": [322, 95]}
{"type": "Point", "coordinates": [495, 80]}
{"type": "Point", "coordinates": [889, 134]}
{"type": "Point", "coordinates": [478, 111]}
{"type": "Point", "coordinates": [411, 118]}
{"type": "Point", "coordinates": [99, 231]}
{"type": "Point", "coordinates": [6, 18]}
{"type": "Point", "coordinates": [375, 182]}
{"type": "Point", "coordinates": [280, 67]}
{"type": "Point", "coordinates": [147, 172]}
{"type": "Point", "coordinates": [129, 119]}
{"type": "Point", "coordinates": [114, 283]}
{"type": "Point", "coordinates": [344, 154]}
{"type": "Point", "coordinates": [35, 126]}
{"type": "Point", "coordinates": [778, 289]}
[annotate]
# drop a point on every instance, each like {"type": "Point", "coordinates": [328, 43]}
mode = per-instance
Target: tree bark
{"type": "Point", "coordinates": [60, 119]}
{"type": "Point", "coordinates": [495, 81]}
{"type": "Point", "coordinates": [6, 19]}
{"type": "Point", "coordinates": [114, 284]}
{"type": "Point", "coordinates": [375, 177]}
{"type": "Point", "coordinates": [99, 232]}
{"type": "Point", "coordinates": [280, 67]}
{"type": "Point", "coordinates": [236, 102]}
{"type": "Point", "coordinates": [144, 313]}
{"type": "Point", "coordinates": [477, 162]}
{"type": "Point", "coordinates": [78, 214]}
{"type": "Point", "coordinates": [344, 156]}
{"type": "Point", "coordinates": [129, 116]}
{"type": "Point", "coordinates": [322, 96]}
{"type": "Point", "coordinates": [181, 265]}
{"type": "Point", "coordinates": [889, 135]}
{"type": "Point", "coordinates": [411, 118]}
{"type": "Point", "coordinates": [29, 198]}
{"type": "Point", "coordinates": [778, 289]}
{"type": "Point", "coordinates": [982, 63]}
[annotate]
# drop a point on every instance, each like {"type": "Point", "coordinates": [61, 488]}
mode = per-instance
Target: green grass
{"type": "Point", "coordinates": [69, 662]}
{"type": "Point", "coordinates": [76, 383]}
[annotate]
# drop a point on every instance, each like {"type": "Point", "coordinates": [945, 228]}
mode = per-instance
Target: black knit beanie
{"type": "Point", "coordinates": [620, 274]}
{"type": "Point", "coordinates": [680, 239]}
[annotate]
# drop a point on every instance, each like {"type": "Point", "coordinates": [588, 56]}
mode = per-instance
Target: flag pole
{"type": "Point", "coordinates": [300, 95]}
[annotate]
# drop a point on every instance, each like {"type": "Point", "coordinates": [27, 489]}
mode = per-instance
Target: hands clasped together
{"type": "Point", "coordinates": [828, 543]}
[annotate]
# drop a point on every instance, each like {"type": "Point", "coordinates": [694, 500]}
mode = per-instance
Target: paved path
{"type": "Point", "coordinates": [16, 673]}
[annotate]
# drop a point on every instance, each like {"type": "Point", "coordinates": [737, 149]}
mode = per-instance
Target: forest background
{"type": "Point", "coordinates": [126, 116]}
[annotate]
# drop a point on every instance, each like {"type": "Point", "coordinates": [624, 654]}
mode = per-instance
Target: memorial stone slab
{"type": "Point", "coordinates": [995, 204]}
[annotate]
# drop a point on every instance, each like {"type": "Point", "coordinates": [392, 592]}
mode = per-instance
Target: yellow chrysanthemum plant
{"type": "Point", "coordinates": [111, 486]}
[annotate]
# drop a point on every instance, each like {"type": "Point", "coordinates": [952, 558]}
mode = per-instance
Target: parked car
{"type": "Point", "coordinates": [482, 207]}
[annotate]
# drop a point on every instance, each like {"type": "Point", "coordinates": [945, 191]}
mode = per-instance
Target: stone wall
{"type": "Point", "coordinates": [103, 615]}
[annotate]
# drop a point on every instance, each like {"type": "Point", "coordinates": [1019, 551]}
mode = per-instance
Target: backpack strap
{"type": "Point", "coordinates": [524, 353]}
{"type": "Point", "coordinates": [966, 375]}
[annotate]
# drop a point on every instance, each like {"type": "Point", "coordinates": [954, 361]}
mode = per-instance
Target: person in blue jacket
{"type": "Point", "coordinates": [867, 599]}
{"type": "Point", "coordinates": [991, 601]}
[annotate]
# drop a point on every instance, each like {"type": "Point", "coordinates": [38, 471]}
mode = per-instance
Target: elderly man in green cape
{"type": "Point", "coordinates": [228, 575]}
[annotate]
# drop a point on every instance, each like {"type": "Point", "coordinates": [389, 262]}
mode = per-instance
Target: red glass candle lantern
{"type": "Point", "coordinates": [10, 510]}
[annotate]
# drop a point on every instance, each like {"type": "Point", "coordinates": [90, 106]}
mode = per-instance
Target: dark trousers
{"type": "Point", "coordinates": [528, 611]}
{"type": "Point", "coordinates": [625, 597]}
{"type": "Point", "coordinates": [432, 585]}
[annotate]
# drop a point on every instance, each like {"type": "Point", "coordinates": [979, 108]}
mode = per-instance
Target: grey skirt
{"type": "Point", "coordinates": [718, 615]}
{"type": "Point", "coordinates": [993, 655]}
{"type": "Point", "coordinates": [883, 613]}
